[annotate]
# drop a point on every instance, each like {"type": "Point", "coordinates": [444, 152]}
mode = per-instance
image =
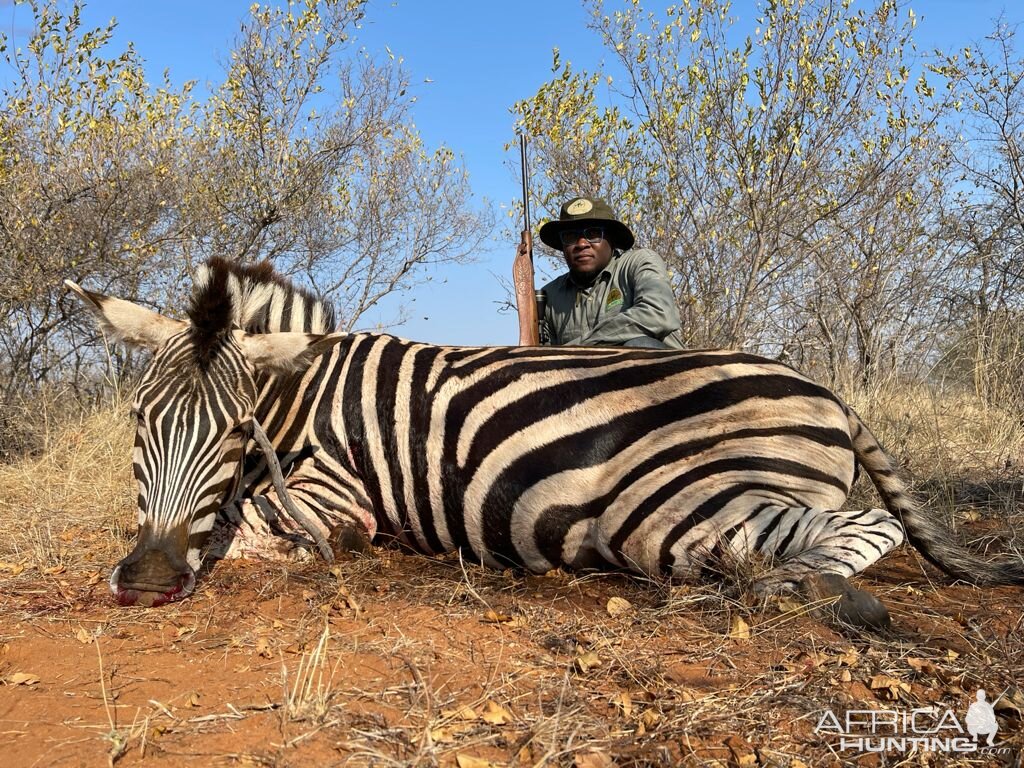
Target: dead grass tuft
{"type": "Point", "coordinates": [940, 433]}
{"type": "Point", "coordinates": [81, 484]}
{"type": "Point", "coordinates": [311, 694]}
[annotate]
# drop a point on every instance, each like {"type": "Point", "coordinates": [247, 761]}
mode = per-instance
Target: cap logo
{"type": "Point", "coordinates": [579, 206]}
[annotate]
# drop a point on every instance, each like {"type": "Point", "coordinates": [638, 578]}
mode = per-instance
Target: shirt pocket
{"type": "Point", "coordinates": [614, 302]}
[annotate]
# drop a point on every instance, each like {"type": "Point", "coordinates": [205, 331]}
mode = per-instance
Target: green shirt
{"type": "Point", "coordinates": [631, 297]}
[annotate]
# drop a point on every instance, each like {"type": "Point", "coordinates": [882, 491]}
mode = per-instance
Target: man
{"type": "Point", "coordinates": [613, 294]}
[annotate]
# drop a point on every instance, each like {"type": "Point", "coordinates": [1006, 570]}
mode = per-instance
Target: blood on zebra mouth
{"type": "Point", "coordinates": [152, 595]}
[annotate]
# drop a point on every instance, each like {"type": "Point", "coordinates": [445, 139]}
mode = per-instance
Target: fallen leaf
{"type": "Point", "coordinates": [12, 568]}
{"type": "Point", "coordinates": [495, 714]}
{"type": "Point", "coordinates": [468, 761]}
{"type": "Point", "coordinates": [451, 732]}
{"type": "Point", "coordinates": [617, 606]}
{"type": "Point", "coordinates": [263, 647]}
{"type": "Point", "coordinates": [742, 753]}
{"type": "Point", "coordinates": [493, 617]}
{"type": "Point", "coordinates": [650, 717]}
{"type": "Point", "coordinates": [921, 665]}
{"type": "Point", "coordinates": [344, 596]}
{"type": "Point", "coordinates": [22, 678]}
{"type": "Point", "coordinates": [849, 658]}
{"type": "Point", "coordinates": [463, 713]}
{"type": "Point", "coordinates": [625, 703]}
{"type": "Point", "coordinates": [54, 569]}
{"type": "Point", "coordinates": [587, 661]}
{"type": "Point", "coordinates": [789, 604]}
{"type": "Point", "coordinates": [192, 700]}
{"type": "Point", "coordinates": [882, 681]}
{"type": "Point", "coordinates": [739, 629]}
{"type": "Point", "coordinates": [889, 684]}
{"type": "Point", "coordinates": [845, 676]}
{"type": "Point", "coordinates": [593, 760]}
{"type": "Point", "coordinates": [83, 635]}
{"type": "Point", "coordinates": [810, 660]}
{"type": "Point", "coordinates": [442, 735]}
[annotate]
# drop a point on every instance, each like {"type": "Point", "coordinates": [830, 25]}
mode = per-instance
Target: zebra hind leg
{"type": "Point", "coordinates": [817, 549]}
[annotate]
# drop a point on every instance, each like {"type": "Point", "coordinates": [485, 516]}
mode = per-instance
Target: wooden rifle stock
{"type": "Point", "coordinates": [522, 267]}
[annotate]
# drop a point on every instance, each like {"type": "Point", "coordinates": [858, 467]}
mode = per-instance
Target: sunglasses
{"type": "Point", "coordinates": [570, 236]}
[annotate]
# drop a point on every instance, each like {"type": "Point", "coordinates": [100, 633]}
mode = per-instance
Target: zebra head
{"type": "Point", "coordinates": [194, 407]}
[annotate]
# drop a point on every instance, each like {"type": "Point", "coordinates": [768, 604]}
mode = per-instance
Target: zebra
{"type": "Point", "coordinates": [530, 457]}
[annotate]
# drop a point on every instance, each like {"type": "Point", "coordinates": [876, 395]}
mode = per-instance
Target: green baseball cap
{"type": "Point", "coordinates": [583, 212]}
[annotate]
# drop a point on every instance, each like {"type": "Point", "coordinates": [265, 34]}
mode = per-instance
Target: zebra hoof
{"type": "Point", "coordinates": [846, 603]}
{"type": "Point", "coordinates": [346, 540]}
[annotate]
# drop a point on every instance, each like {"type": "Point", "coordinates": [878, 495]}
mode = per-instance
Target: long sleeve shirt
{"type": "Point", "coordinates": [631, 297]}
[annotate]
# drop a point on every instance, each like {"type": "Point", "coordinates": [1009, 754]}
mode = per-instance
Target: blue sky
{"type": "Point", "coordinates": [481, 57]}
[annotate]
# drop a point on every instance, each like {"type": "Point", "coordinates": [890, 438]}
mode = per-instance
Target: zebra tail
{"type": "Point", "coordinates": [933, 539]}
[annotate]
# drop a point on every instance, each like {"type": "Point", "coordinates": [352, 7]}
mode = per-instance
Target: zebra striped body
{"type": "Point", "coordinates": [544, 457]}
{"type": "Point", "coordinates": [535, 457]}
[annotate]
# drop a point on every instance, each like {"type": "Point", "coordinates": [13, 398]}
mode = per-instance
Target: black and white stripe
{"type": "Point", "coordinates": [522, 456]}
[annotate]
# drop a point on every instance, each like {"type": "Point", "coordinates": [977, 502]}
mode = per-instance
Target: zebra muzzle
{"type": "Point", "coordinates": [151, 577]}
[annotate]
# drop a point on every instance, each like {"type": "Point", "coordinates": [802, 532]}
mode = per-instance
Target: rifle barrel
{"type": "Point", "coordinates": [526, 181]}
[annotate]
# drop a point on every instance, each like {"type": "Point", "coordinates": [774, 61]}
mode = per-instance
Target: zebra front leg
{"type": "Point", "coordinates": [345, 531]}
{"type": "Point", "coordinates": [260, 528]}
{"type": "Point", "coordinates": [817, 549]}
{"type": "Point", "coordinates": [243, 530]}
{"type": "Point", "coordinates": [335, 501]}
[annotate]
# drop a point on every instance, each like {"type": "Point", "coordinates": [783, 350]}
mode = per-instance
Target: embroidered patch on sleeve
{"type": "Point", "coordinates": [614, 299]}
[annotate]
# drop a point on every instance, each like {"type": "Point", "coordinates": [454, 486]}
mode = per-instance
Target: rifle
{"type": "Point", "coordinates": [529, 302]}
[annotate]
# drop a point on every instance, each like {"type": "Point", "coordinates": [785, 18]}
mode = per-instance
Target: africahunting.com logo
{"type": "Point", "coordinates": [929, 729]}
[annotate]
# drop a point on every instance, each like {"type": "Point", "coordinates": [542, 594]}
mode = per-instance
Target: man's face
{"type": "Point", "coordinates": [586, 253]}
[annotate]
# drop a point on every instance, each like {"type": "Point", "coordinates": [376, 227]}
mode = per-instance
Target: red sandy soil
{"type": "Point", "coordinates": [432, 662]}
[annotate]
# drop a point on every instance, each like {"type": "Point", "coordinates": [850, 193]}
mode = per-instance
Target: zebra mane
{"type": "Point", "coordinates": [254, 298]}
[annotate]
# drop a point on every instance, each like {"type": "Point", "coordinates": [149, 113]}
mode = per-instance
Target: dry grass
{"type": "Point", "coordinates": [80, 482]}
{"type": "Point", "coordinates": [941, 434]}
{"type": "Point", "coordinates": [311, 694]}
{"type": "Point", "coordinates": [401, 660]}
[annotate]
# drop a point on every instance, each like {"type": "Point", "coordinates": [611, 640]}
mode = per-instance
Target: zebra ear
{"type": "Point", "coordinates": [128, 322]}
{"type": "Point", "coordinates": [284, 352]}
